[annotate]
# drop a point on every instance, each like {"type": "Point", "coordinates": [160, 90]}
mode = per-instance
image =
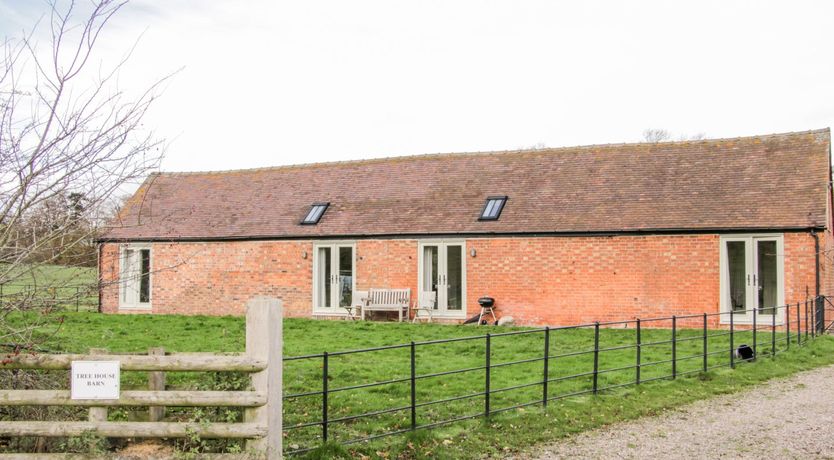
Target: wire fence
{"type": "Point", "coordinates": [70, 297]}
{"type": "Point", "coordinates": [439, 382]}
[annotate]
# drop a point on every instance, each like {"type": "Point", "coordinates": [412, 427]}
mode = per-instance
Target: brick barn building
{"type": "Point", "coordinates": [556, 236]}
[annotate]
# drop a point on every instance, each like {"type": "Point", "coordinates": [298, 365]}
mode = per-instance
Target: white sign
{"type": "Point", "coordinates": [94, 380]}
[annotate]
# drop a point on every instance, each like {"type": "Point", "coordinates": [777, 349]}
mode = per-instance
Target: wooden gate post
{"type": "Point", "coordinates": [97, 414]}
{"type": "Point", "coordinates": [156, 382]}
{"type": "Point", "coordinates": [264, 340]}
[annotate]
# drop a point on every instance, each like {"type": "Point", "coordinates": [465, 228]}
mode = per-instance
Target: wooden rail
{"type": "Point", "coordinates": [262, 417]}
{"type": "Point", "coordinates": [133, 429]}
{"type": "Point", "coordinates": [73, 456]}
{"type": "Point", "coordinates": [136, 398]}
{"type": "Point", "coordinates": [174, 362]}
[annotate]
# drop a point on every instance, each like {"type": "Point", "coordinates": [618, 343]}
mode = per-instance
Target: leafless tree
{"type": "Point", "coordinates": [694, 137]}
{"type": "Point", "coordinates": [536, 146]}
{"type": "Point", "coordinates": [70, 142]}
{"type": "Point", "coordinates": [654, 135]}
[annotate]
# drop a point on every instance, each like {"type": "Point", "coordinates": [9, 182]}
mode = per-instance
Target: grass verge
{"type": "Point", "coordinates": [499, 435]}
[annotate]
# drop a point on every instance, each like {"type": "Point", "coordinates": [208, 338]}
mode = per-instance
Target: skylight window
{"type": "Point", "coordinates": [314, 214]}
{"type": "Point", "coordinates": [492, 208]}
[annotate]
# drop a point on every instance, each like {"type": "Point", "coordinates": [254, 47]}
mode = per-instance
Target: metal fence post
{"type": "Point", "coordinates": [819, 316]}
{"type": "Point", "coordinates": [788, 326]}
{"type": "Point", "coordinates": [732, 345]}
{"type": "Point", "coordinates": [546, 364]}
{"type": "Point", "coordinates": [798, 326]}
{"type": "Point", "coordinates": [596, 355]}
{"type": "Point", "coordinates": [324, 397]}
{"type": "Point", "coordinates": [413, 389]}
{"type": "Point", "coordinates": [814, 318]}
{"type": "Point", "coordinates": [773, 332]}
{"type": "Point", "coordinates": [755, 343]}
{"type": "Point", "coordinates": [705, 343]}
{"type": "Point", "coordinates": [674, 347]}
{"type": "Point", "coordinates": [486, 380]}
{"type": "Point", "coordinates": [639, 350]}
{"type": "Point", "coordinates": [806, 320]}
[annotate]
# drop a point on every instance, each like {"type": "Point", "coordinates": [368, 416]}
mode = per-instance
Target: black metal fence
{"type": "Point", "coordinates": [71, 297]}
{"type": "Point", "coordinates": [824, 314]}
{"type": "Point", "coordinates": [632, 352]}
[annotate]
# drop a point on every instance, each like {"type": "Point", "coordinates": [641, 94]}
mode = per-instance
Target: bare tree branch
{"type": "Point", "coordinates": [69, 147]}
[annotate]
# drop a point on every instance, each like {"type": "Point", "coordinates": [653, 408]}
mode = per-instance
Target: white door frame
{"type": "Point", "coordinates": [441, 310]}
{"type": "Point", "coordinates": [129, 277]}
{"type": "Point", "coordinates": [334, 275]}
{"type": "Point", "coordinates": [751, 268]}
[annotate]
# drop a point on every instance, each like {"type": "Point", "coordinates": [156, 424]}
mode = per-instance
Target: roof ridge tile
{"type": "Point", "coordinates": [544, 150]}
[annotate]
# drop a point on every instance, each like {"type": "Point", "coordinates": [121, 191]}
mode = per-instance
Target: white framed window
{"type": "Point", "coordinates": [752, 277]}
{"type": "Point", "coordinates": [135, 277]}
{"type": "Point", "coordinates": [441, 269]}
{"type": "Point", "coordinates": [334, 277]}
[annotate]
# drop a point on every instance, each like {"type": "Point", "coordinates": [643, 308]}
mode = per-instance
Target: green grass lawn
{"type": "Point", "coordinates": [50, 275]}
{"type": "Point", "coordinates": [66, 287]}
{"type": "Point", "coordinates": [509, 431]}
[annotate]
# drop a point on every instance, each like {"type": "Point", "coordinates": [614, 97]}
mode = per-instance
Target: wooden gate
{"type": "Point", "coordinates": [262, 420]}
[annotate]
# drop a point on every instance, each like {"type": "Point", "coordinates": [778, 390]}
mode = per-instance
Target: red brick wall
{"type": "Point", "coordinates": [800, 265]}
{"type": "Point", "coordinates": [571, 280]}
{"type": "Point", "coordinates": [547, 280]}
{"type": "Point", "coordinates": [218, 278]}
{"type": "Point", "coordinates": [386, 264]}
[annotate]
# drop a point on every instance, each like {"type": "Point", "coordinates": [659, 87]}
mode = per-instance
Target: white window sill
{"type": "Point", "coordinates": [760, 321]}
{"type": "Point", "coordinates": [145, 307]}
{"type": "Point", "coordinates": [339, 312]}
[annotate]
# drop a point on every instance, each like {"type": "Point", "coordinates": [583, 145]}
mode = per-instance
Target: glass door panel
{"type": "Point", "coordinates": [145, 276]}
{"type": "Point", "coordinates": [765, 278]}
{"type": "Point", "coordinates": [129, 274]}
{"type": "Point", "coordinates": [345, 276]}
{"type": "Point", "coordinates": [324, 297]}
{"type": "Point", "coordinates": [454, 277]}
{"type": "Point", "coordinates": [737, 265]}
{"type": "Point", "coordinates": [431, 277]}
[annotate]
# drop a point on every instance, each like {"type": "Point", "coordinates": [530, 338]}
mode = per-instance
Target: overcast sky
{"type": "Point", "coordinates": [281, 82]}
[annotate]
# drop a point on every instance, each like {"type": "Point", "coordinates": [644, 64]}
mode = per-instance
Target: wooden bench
{"type": "Point", "coordinates": [398, 300]}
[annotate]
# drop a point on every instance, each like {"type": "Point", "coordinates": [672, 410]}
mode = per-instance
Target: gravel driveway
{"type": "Point", "coordinates": [789, 418]}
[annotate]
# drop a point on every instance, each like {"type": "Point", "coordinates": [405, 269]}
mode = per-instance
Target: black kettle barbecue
{"type": "Point", "coordinates": [487, 308]}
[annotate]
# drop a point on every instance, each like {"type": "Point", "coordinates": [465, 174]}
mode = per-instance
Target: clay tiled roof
{"type": "Point", "coordinates": [774, 181]}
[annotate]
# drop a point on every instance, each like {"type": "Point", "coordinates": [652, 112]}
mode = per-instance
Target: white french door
{"type": "Point", "coordinates": [752, 277]}
{"type": "Point", "coordinates": [135, 277]}
{"type": "Point", "coordinates": [334, 266]}
{"type": "Point", "coordinates": [442, 270]}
